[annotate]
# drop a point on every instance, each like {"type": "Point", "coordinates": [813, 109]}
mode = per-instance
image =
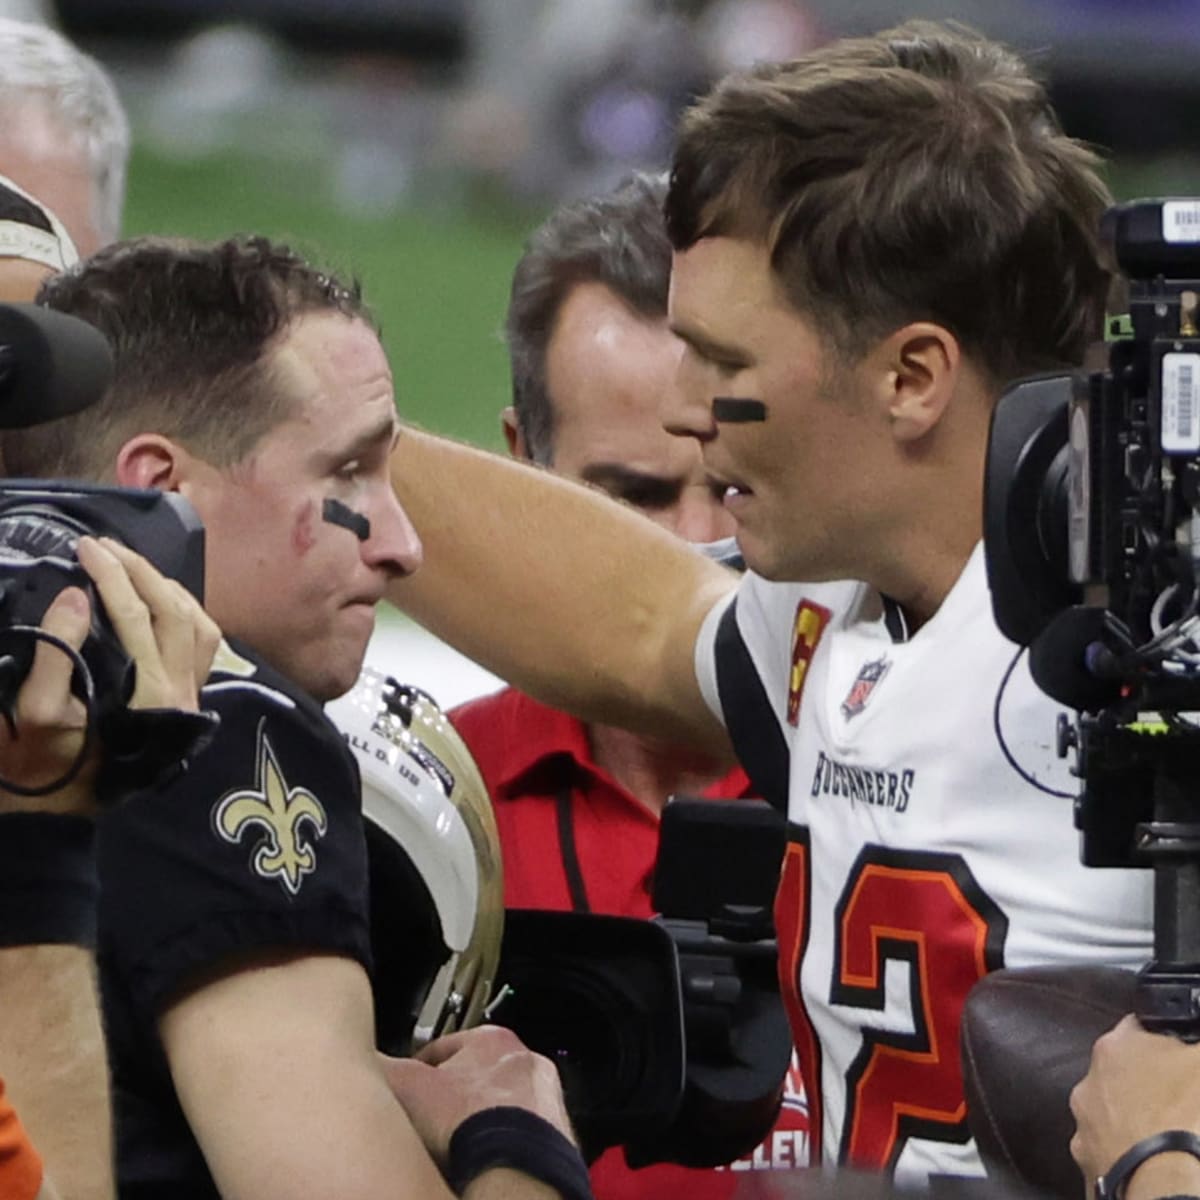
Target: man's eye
{"type": "Point", "coordinates": [349, 470]}
{"type": "Point", "coordinates": [653, 498]}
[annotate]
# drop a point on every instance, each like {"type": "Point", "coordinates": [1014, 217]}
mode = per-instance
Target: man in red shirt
{"type": "Point", "coordinates": [577, 806]}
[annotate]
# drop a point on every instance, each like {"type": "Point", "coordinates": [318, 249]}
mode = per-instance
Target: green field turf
{"type": "Point", "coordinates": [438, 285]}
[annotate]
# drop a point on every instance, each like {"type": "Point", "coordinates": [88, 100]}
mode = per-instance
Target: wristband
{"type": "Point", "coordinates": [48, 883]}
{"type": "Point", "coordinates": [1111, 1185]}
{"type": "Point", "coordinates": [507, 1136]}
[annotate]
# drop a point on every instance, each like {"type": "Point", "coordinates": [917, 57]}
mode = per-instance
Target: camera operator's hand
{"type": "Point", "coordinates": [162, 627]}
{"type": "Point", "coordinates": [1138, 1084]}
{"type": "Point", "coordinates": [160, 623]}
{"type": "Point", "coordinates": [466, 1072]}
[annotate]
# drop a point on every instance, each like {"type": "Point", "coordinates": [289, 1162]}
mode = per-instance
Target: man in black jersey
{"type": "Point", "coordinates": [234, 940]}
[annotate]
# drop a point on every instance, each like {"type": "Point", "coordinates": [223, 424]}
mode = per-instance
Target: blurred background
{"type": "Point", "coordinates": [415, 143]}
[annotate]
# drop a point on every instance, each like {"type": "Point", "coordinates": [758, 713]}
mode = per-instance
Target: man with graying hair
{"type": "Point", "coordinates": [64, 135]}
{"type": "Point", "coordinates": [870, 242]}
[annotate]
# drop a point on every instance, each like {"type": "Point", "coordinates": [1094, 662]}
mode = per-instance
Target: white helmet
{"type": "Point", "coordinates": [437, 891]}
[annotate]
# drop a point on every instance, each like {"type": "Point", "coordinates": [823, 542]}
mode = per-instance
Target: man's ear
{"type": "Point", "coordinates": [917, 368]}
{"type": "Point", "coordinates": [513, 437]}
{"type": "Point", "coordinates": [150, 460]}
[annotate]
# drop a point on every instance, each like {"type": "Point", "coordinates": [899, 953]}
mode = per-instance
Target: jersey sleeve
{"type": "Point", "coordinates": [258, 846]}
{"type": "Point", "coordinates": [751, 657]}
{"type": "Point", "coordinates": [706, 655]}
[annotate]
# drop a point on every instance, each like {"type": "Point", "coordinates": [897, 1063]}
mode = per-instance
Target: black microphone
{"type": "Point", "coordinates": [51, 365]}
{"type": "Point", "coordinates": [1075, 659]}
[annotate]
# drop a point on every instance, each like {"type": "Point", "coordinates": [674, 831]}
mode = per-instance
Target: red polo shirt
{"type": "Point", "coordinates": [531, 756]}
{"type": "Point", "coordinates": [528, 754]}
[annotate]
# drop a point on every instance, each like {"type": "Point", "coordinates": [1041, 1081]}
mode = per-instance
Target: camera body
{"type": "Point", "coordinates": [1092, 487]}
{"type": "Point", "coordinates": [1092, 539]}
{"type": "Point", "coordinates": [40, 524]}
{"type": "Point", "coordinates": [1092, 535]}
{"type": "Point", "coordinates": [670, 1034]}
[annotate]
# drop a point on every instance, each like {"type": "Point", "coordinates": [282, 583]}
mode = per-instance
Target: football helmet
{"type": "Point", "coordinates": [436, 886]}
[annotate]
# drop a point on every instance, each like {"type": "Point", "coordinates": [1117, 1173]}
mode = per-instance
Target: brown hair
{"type": "Point", "coordinates": [191, 325]}
{"type": "Point", "coordinates": [919, 174]}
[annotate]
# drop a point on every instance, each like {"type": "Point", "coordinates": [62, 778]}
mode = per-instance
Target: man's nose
{"type": "Point", "coordinates": [393, 543]}
{"type": "Point", "coordinates": [686, 409]}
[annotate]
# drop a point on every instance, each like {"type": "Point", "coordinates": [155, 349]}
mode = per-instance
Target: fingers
{"type": "Point", "coordinates": [45, 697]}
{"type": "Point", "coordinates": [492, 1040]}
{"type": "Point", "coordinates": [49, 721]}
{"type": "Point", "coordinates": [160, 624]}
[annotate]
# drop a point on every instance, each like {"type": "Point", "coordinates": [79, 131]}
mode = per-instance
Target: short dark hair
{"type": "Point", "coordinates": [191, 326]}
{"type": "Point", "coordinates": [919, 174]}
{"type": "Point", "coordinates": [617, 239]}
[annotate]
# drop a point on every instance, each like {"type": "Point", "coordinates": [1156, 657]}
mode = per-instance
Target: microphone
{"type": "Point", "coordinates": [51, 365]}
{"type": "Point", "coordinates": [1075, 659]}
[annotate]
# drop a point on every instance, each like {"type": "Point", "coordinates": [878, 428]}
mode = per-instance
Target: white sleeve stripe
{"type": "Point", "coordinates": [247, 685]}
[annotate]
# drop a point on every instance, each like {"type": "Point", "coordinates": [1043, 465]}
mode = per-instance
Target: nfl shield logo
{"type": "Point", "coordinates": [860, 691]}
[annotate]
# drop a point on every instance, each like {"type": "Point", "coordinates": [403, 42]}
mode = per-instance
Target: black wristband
{"type": "Point", "coordinates": [1111, 1185]}
{"type": "Point", "coordinates": [48, 883]}
{"type": "Point", "coordinates": [516, 1138]}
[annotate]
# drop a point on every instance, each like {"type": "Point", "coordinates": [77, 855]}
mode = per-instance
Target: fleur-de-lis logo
{"type": "Point", "coordinates": [282, 854]}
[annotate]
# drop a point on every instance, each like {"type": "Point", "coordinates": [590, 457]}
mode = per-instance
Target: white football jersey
{"type": "Point", "coordinates": [918, 859]}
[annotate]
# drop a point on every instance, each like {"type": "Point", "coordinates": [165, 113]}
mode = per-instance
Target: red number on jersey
{"type": "Point", "coordinates": [927, 911]}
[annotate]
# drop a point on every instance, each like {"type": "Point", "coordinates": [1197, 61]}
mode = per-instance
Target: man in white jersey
{"type": "Point", "coordinates": [870, 243]}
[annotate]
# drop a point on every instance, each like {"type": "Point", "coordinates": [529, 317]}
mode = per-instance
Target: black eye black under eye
{"type": "Point", "coordinates": [738, 410]}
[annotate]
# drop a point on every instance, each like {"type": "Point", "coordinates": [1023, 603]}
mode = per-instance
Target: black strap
{"type": "Point", "coordinates": [894, 620]}
{"type": "Point", "coordinates": [570, 855]}
{"type": "Point", "coordinates": [1111, 1185]}
{"type": "Point", "coordinates": [48, 882]}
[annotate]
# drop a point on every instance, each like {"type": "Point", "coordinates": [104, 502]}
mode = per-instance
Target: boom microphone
{"type": "Point", "coordinates": [51, 365]}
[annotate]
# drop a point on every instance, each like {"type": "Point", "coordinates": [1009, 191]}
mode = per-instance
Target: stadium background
{"type": "Point", "coordinates": [414, 143]}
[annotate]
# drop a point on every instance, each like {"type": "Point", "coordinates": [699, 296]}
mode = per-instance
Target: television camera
{"type": "Point", "coordinates": [1092, 542]}
{"type": "Point", "coordinates": [51, 366]}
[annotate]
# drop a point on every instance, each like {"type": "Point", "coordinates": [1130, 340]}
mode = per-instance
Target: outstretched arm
{"type": "Point", "coordinates": [571, 596]}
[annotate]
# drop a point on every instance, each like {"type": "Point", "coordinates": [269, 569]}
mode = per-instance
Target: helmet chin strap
{"type": "Point", "coordinates": [337, 513]}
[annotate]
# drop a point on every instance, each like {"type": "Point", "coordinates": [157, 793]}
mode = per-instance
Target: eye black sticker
{"type": "Point", "coordinates": [738, 410]}
{"type": "Point", "coordinates": [337, 513]}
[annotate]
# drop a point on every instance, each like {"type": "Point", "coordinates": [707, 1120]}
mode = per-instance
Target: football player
{"type": "Point", "coordinates": [870, 242]}
{"type": "Point", "coordinates": [234, 937]}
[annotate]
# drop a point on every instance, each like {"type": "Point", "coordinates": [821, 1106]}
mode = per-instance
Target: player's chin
{"type": "Point", "coordinates": [338, 668]}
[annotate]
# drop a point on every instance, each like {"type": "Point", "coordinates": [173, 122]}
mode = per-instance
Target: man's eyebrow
{"type": "Point", "coordinates": [705, 346]}
{"type": "Point", "coordinates": [383, 432]}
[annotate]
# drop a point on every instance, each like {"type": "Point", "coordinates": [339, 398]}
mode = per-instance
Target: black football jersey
{"type": "Point", "coordinates": [257, 845]}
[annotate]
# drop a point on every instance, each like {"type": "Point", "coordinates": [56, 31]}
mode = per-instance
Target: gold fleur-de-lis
{"type": "Point", "coordinates": [280, 811]}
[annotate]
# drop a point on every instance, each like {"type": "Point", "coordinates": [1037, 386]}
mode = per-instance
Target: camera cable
{"type": "Point", "coordinates": [12, 675]}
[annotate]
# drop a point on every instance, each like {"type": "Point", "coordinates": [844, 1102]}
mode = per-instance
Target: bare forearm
{"type": "Point", "coordinates": [503, 1184]}
{"type": "Point", "coordinates": [566, 593]}
{"type": "Point", "coordinates": [53, 1060]}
